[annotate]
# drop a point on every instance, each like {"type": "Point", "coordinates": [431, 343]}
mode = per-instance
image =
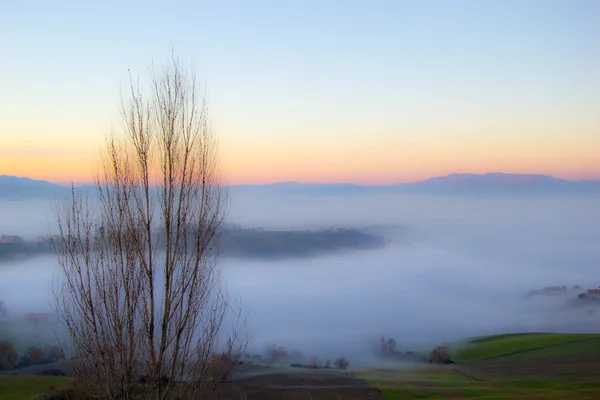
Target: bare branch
{"type": "Point", "coordinates": [140, 287]}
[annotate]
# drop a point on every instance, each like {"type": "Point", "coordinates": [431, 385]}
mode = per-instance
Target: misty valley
{"type": "Point", "coordinates": [423, 270]}
{"type": "Point", "coordinates": [294, 200]}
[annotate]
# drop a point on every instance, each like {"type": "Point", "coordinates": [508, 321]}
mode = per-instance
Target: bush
{"type": "Point", "coordinates": [52, 372]}
{"type": "Point", "coordinates": [308, 366]}
{"type": "Point", "coordinates": [341, 363]}
{"type": "Point", "coordinates": [144, 379]}
{"type": "Point", "coordinates": [39, 356]}
{"type": "Point", "coordinates": [315, 362]}
{"type": "Point", "coordinates": [35, 355]}
{"type": "Point", "coordinates": [54, 353]}
{"type": "Point", "coordinates": [8, 356]}
{"type": "Point", "coordinates": [440, 355]}
{"type": "Point", "coordinates": [220, 367]}
{"type": "Point", "coordinates": [276, 353]}
{"type": "Point", "coordinates": [64, 394]}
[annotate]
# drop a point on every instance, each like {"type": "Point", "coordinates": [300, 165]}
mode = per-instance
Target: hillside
{"type": "Point", "coordinates": [240, 243]}
{"type": "Point", "coordinates": [17, 188]}
{"type": "Point", "coordinates": [256, 243]}
{"type": "Point", "coordinates": [511, 366]}
{"type": "Point", "coordinates": [504, 345]}
{"type": "Point", "coordinates": [478, 185]}
{"type": "Point", "coordinates": [491, 184]}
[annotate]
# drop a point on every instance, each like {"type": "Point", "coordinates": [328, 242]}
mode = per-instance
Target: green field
{"type": "Point", "coordinates": [516, 366]}
{"type": "Point", "coordinates": [513, 366]}
{"type": "Point", "coordinates": [442, 383]}
{"type": "Point", "coordinates": [15, 387]}
{"type": "Point", "coordinates": [504, 345]}
{"type": "Point", "coordinates": [586, 346]}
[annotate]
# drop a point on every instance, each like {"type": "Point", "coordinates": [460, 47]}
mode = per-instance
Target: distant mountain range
{"type": "Point", "coordinates": [16, 188]}
{"type": "Point", "coordinates": [491, 184]}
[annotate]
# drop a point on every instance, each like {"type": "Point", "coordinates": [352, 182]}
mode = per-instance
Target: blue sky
{"type": "Point", "coordinates": [306, 87]}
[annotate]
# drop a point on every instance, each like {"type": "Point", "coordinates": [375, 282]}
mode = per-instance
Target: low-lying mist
{"type": "Point", "coordinates": [460, 268]}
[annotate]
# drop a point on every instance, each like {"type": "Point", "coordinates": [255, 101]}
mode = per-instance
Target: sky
{"type": "Point", "coordinates": [370, 92]}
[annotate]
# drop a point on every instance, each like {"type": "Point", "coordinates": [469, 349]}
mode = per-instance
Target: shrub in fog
{"type": "Point", "coordinates": [440, 354]}
{"type": "Point", "coordinates": [9, 357]}
{"type": "Point", "coordinates": [342, 363]}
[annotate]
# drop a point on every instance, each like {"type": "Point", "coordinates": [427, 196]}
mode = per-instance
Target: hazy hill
{"type": "Point", "coordinates": [16, 188]}
{"type": "Point", "coordinates": [491, 184]}
{"type": "Point", "coordinates": [242, 243]}
{"type": "Point", "coordinates": [497, 184]}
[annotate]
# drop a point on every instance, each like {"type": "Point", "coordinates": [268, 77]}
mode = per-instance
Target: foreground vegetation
{"type": "Point", "coordinates": [444, 383]}
{"type": "Point", "coordinates": [14, 387]}
{"type": "Point", "coordinates": [511, 366]}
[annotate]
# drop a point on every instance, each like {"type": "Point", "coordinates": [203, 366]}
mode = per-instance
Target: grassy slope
{"type": "Point", "coordinates": [429, 383]}
{"type": "Point", "coordinates": [448, 384]}
{"type": "Point", "coordinates": [503, 345]}
{"type": "Point", "coordinates": [588, 346]}
{"type": "Point", "coordinates": [23, 387]}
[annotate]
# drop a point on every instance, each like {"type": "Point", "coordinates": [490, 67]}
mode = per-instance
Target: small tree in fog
{"type": "Point", "coordinates": [276, 353]}
{"type": "Point", "coordinates": [391, 345]}
{"type": "Point", "coordinates": [314, 362]}
{"type": "Point", "coordinates": [9, 357]}
{"type": "Point", "coordinates": [440, 354]}
{"type": "Point", "coordinates": [140, 291]}
{"type": "Point", "coordinates": [34, 354]}
{"type": "Point", "coordinates": [341, 363]}
{"type": "Point", "coordinates": [54, 353]}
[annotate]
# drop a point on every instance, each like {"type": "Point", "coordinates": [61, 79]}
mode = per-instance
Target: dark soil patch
{"type": "Point", "coordinates": [291, 385]}
{"type": "Point", "coordinates": [266, 383]}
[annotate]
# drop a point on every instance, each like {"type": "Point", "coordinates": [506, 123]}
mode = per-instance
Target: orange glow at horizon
{"type": "Point", "coordinates": [361, 161]}
{"type": "Point", "coordinates": [82, 172]}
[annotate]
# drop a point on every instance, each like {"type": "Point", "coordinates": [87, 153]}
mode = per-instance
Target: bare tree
{"type": "Point", "coordinates": [440, 354]}
{"type": "Point", "coordinates": [391, 345]}
{"type": "Point", "coordinates": [342, 363]}
{"type": "Point", "coordinates": [140, 290]}
{"type": "Point", "coordinates": [315, 362]}
{"type": "Point", "coordinates": [9, 358]}
{"type": "Point", "coordinates": [387, 346]}
{"type": "Point", "coordinates": [276, 353]}
{"type": "Point", "coordinates": [34, 354]}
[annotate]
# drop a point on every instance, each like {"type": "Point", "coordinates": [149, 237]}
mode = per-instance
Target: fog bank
{"type": "Point", "coordinates": [460, 268]}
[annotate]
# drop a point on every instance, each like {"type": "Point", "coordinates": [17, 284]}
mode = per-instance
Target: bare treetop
{"type": "Point", "coordinates": [141, 293]}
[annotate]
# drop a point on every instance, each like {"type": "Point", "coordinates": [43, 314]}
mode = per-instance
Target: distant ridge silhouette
{"type": "Point", "coordinates": [489, 184]}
